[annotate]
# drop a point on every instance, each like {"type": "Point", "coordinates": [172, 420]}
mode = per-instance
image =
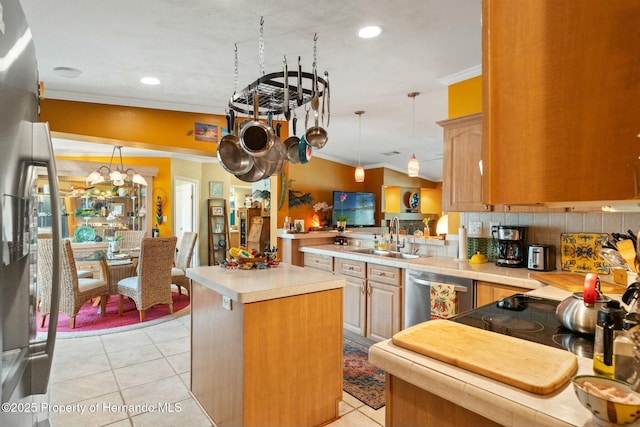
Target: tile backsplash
{"type": "Point", "coordinates": [545, 228]}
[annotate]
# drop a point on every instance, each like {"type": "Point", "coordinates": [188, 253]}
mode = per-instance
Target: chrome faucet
{"type": "Point", "coordinates": [394, 228]}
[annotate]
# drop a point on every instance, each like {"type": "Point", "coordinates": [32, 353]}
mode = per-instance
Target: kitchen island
{"type": "Point", "coordinates": [266, 345]}
{"type": "Point", "coordinates": [423, 391]}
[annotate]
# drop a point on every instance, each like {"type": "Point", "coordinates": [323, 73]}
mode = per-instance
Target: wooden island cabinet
{"type": "Point", "coordinates": [266, 345]}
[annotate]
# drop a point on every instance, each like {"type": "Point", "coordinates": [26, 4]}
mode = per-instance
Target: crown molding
{"type": "Point", "coordinates": [132, 102]}
{"type": "Point", "coordinates": [460, 76]}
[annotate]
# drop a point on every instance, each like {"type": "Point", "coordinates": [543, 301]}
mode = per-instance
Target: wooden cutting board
{"type": "Point", "coordinates": [574, 282]}
{"type": "Point", "coordinates": [530, 366]}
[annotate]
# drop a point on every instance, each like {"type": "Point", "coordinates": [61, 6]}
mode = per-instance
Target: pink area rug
{"type": "Point", "coordinates": [88, 318]}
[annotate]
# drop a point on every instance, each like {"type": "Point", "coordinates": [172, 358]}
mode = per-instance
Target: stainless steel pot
{"type": "Point", "coordinates": [256, 137]}
{"type": "Point", "coordinates": [578, 312]}
{"type": "Point", "coordinates": [231, 156]}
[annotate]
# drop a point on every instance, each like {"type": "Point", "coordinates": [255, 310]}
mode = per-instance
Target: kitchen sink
{"type": "Point", "coordinates": [387, 254]}
{"type": "Point", "coordinates": [370, 251]}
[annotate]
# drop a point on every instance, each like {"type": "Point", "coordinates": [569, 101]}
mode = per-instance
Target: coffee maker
{"type": "Point", "coordinates": [510, 245]}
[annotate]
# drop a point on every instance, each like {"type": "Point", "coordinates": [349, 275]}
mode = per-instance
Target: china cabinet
{"type": "Point", "coordinates": [218, 230]}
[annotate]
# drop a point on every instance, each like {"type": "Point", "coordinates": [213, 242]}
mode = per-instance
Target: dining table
{"type": "Point", "coordinates": [113, 266]}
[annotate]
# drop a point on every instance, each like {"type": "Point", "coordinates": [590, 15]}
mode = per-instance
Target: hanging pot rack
{"type": "Point", "coordinates": [271, 93]}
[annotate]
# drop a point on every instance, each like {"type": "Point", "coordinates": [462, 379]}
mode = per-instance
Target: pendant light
{"type": "Point", "coordinates": [359, 170]}
{"type": "Point", "coordinates": [414, 167]}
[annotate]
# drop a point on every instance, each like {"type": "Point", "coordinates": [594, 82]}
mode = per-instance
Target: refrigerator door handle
{"type": "Point", "coordinates": [42, 351]}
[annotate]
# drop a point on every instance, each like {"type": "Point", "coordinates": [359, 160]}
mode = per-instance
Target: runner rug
{"type": "Point", "coordinates": [89, 319]}
{"type": "Point", "coordinates": [361, 379]}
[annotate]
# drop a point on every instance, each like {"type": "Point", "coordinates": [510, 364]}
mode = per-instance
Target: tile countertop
{"type": "Point", "coordinates": [246, 286]}
{"type": "Point", "coordinates": [507, 405]}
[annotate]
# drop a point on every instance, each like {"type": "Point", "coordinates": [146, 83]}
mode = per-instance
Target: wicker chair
{"type": "Point", "coordinates": [183, 261]}
{"type": "Point", "coordinates": [130, 239]}
{"type": "Point", "coordinates": [74, 292]}
{"type": "Point", "coordinates": [152, 285]}
{"type": "Point", "coordinates": [82, 274]}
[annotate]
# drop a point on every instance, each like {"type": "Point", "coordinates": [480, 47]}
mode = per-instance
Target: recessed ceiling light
{"type": "Point", "coordinates": [369, 32]}
{"type": "Point", "coordinates": [68, 72]}
{"type": "Point", "coordinates": [151, 81]}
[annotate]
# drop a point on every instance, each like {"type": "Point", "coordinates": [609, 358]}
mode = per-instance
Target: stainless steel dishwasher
{"type": "Point", "coordinates": [417, 300]}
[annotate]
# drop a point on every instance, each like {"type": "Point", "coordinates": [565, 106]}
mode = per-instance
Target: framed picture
{"type": "Point", "coordinates": [298, 225]}
{"type": "Point", "coordinates": [215, 189]}
{"type": "Point", "coordinates": [118, 207]}
{"type": "Point", "coordinates": [216, 210]}
{"type": "Point", "coordinates": [206, 132]}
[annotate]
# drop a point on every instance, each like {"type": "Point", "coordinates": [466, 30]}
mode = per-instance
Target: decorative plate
{"type": "Point", "coordinates": [84, 233]}
{"type": "Point", "coordinates": [579, 252]}
{"type": "Point", "coordinates": [414, 201]}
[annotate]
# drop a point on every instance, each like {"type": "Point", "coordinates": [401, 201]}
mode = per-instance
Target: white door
{"type": "Point", "coordinates": [185, 202]}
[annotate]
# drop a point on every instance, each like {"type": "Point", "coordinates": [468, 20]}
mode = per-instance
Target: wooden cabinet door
{"type": "Point", "coordinates": [487, 292]}
{"type": "Point", "coordinates": [560, 101]}
{"type": "Point", "coordinates": [355, 305]}
{"type": "Point", "coordinates": [384, 314]}
{"type": "Point", "coordinates": [462, 182]}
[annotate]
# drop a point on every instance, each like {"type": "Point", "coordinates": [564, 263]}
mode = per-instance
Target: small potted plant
{"type": "Point", "coordinates": [341, 218]}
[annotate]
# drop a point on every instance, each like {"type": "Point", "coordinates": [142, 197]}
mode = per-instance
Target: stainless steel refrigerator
{"type": "Point", "coordinates": [25, 148]}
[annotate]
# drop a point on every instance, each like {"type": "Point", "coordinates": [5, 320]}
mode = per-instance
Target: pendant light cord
{"type": "Point", "coordinates": [359, 113]}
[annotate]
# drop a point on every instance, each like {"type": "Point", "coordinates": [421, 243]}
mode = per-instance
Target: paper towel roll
{"type": "Point", "coordinates": [462, 243]}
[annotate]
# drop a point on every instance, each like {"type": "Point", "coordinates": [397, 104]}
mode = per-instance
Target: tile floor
{"type": "Point", "coordinates": [141, 378]}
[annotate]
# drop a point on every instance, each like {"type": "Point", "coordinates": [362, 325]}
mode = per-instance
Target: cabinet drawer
{"type": "Point", "coordinates": [351, 268]}
{"type": "Point", "coordinates": [319, 262]}
{"type": "Point", "coordinates": [384, 274]}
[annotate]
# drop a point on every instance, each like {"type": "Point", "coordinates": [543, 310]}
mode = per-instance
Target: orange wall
{"type": "Point", "coordinates": [465, 97]}
{"type": "Point", "coordinates": [321, 177]}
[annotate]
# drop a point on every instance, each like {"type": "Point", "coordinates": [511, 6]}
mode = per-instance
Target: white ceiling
{"type": "Point", "coordinates": [189, 45]}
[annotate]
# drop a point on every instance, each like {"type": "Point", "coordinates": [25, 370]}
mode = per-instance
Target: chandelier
{"type": "Point", "coordinates": [117, 175]}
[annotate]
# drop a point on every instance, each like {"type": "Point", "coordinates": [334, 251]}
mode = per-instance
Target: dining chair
{"type": "Point", "coordinates": [183, 261]}
{"type": "Point", "coordinates": [152, 285]}
{"type": "Point", "coordinates": [82, 274]}
{"type": "Point", "coordinates": [74, 292]}
{"type": "Point", "coordinates": [130, 238]}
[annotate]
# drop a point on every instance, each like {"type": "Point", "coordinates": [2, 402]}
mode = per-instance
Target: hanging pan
{"type": "Point", "coordinates": [292, 143]}
{"type": "Point", "coordinates": [231, 156]}
{"type": "Point", "coordinates": [316, 136]}
{"type": "Point", "coordinates": [256, 137]}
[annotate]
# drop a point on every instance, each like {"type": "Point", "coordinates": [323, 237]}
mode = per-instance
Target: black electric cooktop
{"type": "Point", "coordinates": [529, 318]}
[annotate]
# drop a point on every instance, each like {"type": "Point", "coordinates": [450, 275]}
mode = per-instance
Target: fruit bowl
{"type": "Point", "coordinates": [612, 402]}
{"type": "Point", "coordinates": [251, 260]}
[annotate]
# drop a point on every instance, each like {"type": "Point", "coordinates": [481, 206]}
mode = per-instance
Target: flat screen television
{"type": "Point", "coordinates": [359, 207]}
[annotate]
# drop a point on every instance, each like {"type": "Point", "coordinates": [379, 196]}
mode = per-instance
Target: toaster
{"type": "Point", "coordinates": [542, 258]}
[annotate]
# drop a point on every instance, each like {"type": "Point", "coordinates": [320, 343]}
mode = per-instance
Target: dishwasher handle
{"type": "Point", "coordinates": [457, 288]}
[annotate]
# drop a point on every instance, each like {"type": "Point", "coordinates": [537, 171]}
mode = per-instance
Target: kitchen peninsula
{"type": "Point", "coordinates": [266, 345]}
{"type": "Point", "coordinates": [416, 384]}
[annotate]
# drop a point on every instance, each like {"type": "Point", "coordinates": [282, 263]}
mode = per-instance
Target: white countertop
{"type": "Point", "coordinates": [488, 272]}
{"type": "Point", "coordinates": [492, 399]}
{"type": "Point", "coordinates": [246, 286]}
